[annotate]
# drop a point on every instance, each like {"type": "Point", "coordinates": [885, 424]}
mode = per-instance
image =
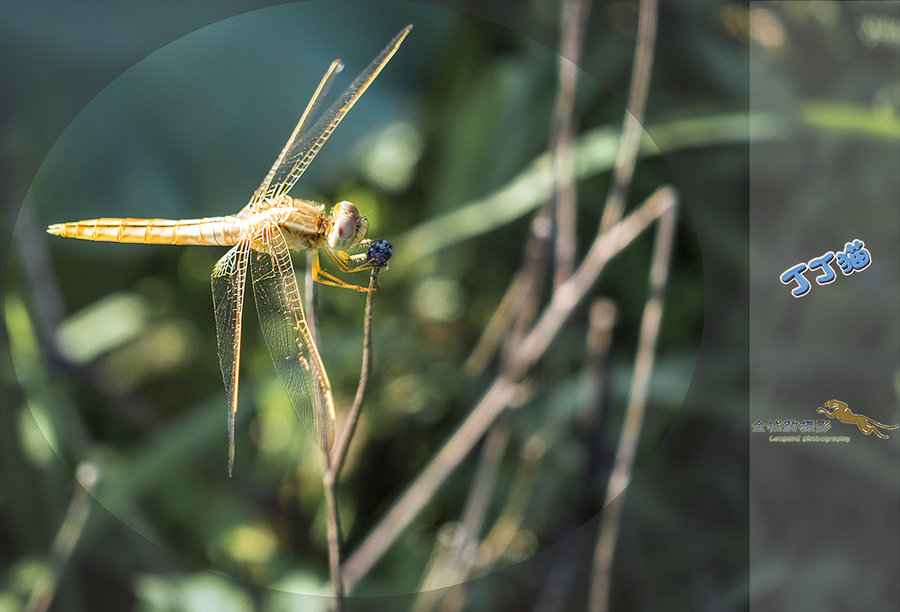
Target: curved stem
{"type": "Point", "coordinates": [334, 459]}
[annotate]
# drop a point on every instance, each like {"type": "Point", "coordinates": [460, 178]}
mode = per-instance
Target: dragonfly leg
{"type": "Point", "coordinates": [351, 263]}
{"type": "Point", "coordinates": [326, 278]}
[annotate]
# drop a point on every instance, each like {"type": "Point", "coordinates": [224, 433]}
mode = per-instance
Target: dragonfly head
{"type": "Point", "coordinates": [348, 228]}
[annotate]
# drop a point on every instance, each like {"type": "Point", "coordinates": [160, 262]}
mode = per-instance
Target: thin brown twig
{"type": "Point", "coordinates": [339, 451]}
{"type": "Point", "coordinates": [573, 22]}
{"type": "Point", "coordinates": [534, 275]}
{"type": "Point", "coordinates": [330, 486]}
{"type": "Point", "coordinates": [334, 536]}
{"type": "Point", "coordinates": [634, 414]}
{"type": "Point", "coordinates": [466, 555]}
{"type": "Point", "coordinates": [632, 126]}
{"type": "Point", "coordinates": [334, 460]}
{"type": "Point", "coordinates": [525, 286]}
{"type": "Point", "coordinates": [501, 393]}
{"type": "Point", "coordinates": [503, 390]}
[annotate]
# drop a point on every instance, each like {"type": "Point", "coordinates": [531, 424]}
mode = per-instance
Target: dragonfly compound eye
{"type": "Point", "coordinates": [343, 233]}
{"type": "Point", "coordinates": [349, 209]}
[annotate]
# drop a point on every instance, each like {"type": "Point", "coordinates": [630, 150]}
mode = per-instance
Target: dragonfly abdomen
{"type": "Point", "coordinates": [214, 231]}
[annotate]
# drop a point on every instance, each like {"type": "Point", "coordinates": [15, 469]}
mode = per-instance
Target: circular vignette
{"type": "Point", "coordinates": [163, 135]}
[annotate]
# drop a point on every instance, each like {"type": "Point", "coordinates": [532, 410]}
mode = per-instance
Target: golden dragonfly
{"type": "Point", "coordinates": [261, 235]}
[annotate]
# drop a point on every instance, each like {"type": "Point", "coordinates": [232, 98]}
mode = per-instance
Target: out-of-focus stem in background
{"type": "Point", "coordinates": [635, 412]}
{"type": "Point", "coordinates": [66, 539]}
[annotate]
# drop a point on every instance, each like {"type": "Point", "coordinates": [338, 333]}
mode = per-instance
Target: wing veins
{"type": "Point", "coordinates": [303, 147]}
{"type": "Point", "coordinates": [228, 282]}
{"type": "Point", "coordinates": [287, 336]}
{"type": "Point", "coordinates": [311, 107]}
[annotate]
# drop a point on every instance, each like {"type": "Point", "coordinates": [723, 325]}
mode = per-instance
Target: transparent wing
{"type": "Point", "coordinates": [304, 144]}
{"type": "Point", "coordinates": [311, 108]}
{"type": "Point", "coordinates": [228, 282]}
{"type": "Point", "coordinates": [287, 335]}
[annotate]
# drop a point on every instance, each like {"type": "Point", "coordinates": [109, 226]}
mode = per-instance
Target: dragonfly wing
{"type": "Point", "coordinates": [228, 282]}
{"type": "Point", "coordinates": [305, 144]}
{"type": "Point", "coordinates": [314, 103]}
{"type": "Point", "coordinates": [287, 335]}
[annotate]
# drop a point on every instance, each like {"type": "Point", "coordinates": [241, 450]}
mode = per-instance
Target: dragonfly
{"type": "Point", "coordinates": [261, 237]}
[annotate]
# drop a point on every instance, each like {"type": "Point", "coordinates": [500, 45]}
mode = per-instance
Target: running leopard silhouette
{"type": "Point", "coordinates": [842, 413]}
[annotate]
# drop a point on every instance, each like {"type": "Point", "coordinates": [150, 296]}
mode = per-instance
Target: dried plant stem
{"type": "Point", "coordinates": [465, 554]}
{"type": "Point", "coordinates": [515, 312]}
{"type": "Point", "coordinates": [557, 586]}
{"type": "Point", "coordinates": [334, 459]}
{"type": "Point", "coordinates": [605, 246]}
{"type": "Point", "coordinates": [339, 451]}
{"type": "Point", "coordinates": [624, 170]}
{"type": "Point", "coordinates": [632, 127]}
{"type": "Point", "coordinates": [334, 536]}
{"type": "Point", "coordinates": [573, 21]}
{"type": "Point", "coordinates": [634, 414]}
{"type": "Point", "coordinates": [66, 538]}
{"type": "Point", "coordinates": [504, 389]}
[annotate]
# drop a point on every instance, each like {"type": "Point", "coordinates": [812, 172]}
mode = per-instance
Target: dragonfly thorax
{"type": "Point", "coordinates": [304, 225]}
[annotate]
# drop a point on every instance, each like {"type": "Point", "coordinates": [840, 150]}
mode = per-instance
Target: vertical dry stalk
{"type": "Point", "coordinates": [519, 305]}
{"type": "Point", "coordinates": [559, 580]}
{"type": "Point", "coordinates": [339, 452]}
{"type": "Point", "coordinates": [334, 536]}
{"type": "Point", "coordinates": [634, 414]}
{"type": "Point", "coordinates": [632, 127]}
{"type": "Point", "coordinates": [334, 460]}
{"type": "Point", "coordinates": [426, 483]}
{"type": "Point", "coordinates": [573, 21]}
{"type": "Point", "coordinates": [601, 320]}
{"type": "Point", "coordinates": [469, 554]}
